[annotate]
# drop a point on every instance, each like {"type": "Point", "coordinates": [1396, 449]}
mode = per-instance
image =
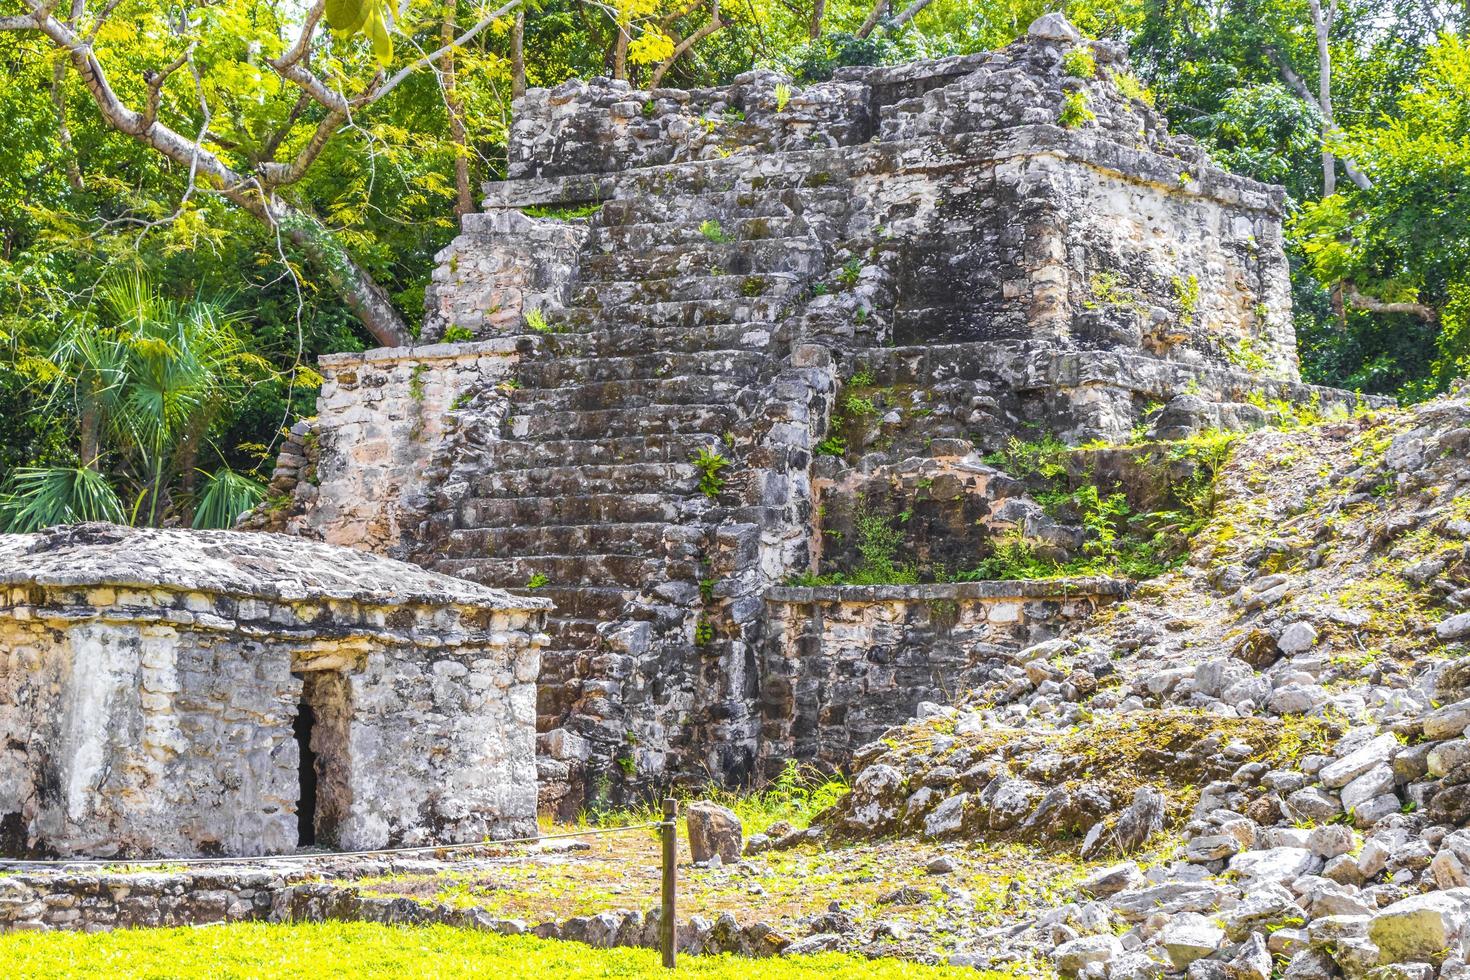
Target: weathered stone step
{"type": "Point", "coordinates": [726, 337]}
{"type": "Point", "coordinates": [657, 448]}
{"type": "Point", "coordinates": [721, 205]}
{"type": "Point", "coordinates": [647, 540]}
{"type": "Point", "coordinates": [562, 371]}
{"type": "Point", "coordinates": [798, 256]}
{"type": "Point", "coordinates": [711, 298]}
{"type": "Point", "coordinates": [679, 479]}
{"type": "Point", "coordinates": [590, 603]}
{"type": "Point", "coordinates": [673, 196]}
{"type": "Point", "coordinates": [740, 387]}
{"type": "Point", "coordinates": [647, 234]}
{"type": "Point", "coordinates": [531, 422]}
{"type": "Point", "coordinates": [633, 571]}
{"type": "Point", "coordinates": [619, 316]}
{"type": "Point", "coordinates": [594, 508]}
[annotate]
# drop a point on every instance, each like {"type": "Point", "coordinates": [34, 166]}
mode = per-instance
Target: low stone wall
{"type": "Point", "coordinates": [986, 394]}
{"type": "Point", "coordinates": [93, 902]}
{"type": "Point", "coordinates": [842, 664]}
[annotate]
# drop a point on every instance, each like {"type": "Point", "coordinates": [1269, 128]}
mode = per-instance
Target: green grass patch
{"type": "Point", "coordinates": [360, 949]}
{"type": "Point", "coordinates": [796, 795]}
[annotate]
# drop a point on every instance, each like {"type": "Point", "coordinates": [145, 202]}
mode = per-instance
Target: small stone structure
{"type": "Point", "coordinates": [184, 693]}
{"type": "Point", "coordinates": [1010, 244]}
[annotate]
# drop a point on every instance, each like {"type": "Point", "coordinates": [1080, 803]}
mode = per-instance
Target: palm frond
{"type": "Point", "coordinates": [38, 497]}
{"type": "Point", "coordinates": [227, 495]}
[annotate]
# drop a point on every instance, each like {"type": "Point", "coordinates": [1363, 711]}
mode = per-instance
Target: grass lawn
{"type": "Point", "coordinates": [366, 950]}
{"type": "Point", "coordinates": [1003, 882]}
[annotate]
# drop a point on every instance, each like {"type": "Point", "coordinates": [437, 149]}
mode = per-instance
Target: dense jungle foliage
{"type": "Point", "coordinates": [198, 197]}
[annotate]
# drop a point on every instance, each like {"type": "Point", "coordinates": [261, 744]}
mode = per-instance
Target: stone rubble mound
{"type": "Point", "coordinates": [1272, 739]}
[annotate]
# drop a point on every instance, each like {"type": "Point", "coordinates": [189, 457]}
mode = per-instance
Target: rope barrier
{"type": "Point", "coordinates": [318, 856]}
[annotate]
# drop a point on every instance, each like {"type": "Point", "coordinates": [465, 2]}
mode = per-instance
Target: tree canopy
{"type": "Point", "coordinates": [295, 166]}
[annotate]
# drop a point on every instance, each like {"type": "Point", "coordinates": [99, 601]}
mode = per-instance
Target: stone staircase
{"type": "Point", "coordinates": [675, 340]}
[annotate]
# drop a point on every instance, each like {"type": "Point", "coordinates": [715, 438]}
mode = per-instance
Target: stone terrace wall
{"type": "Point", "coordinates": [995, 215]}
{"type": "Point", "coordinates": [505, 265]}
{"type": "Point", "coordinates": [842, 664]}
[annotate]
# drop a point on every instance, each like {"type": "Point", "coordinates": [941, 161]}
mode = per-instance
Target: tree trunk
{"type": "Point", "coordinates": [620, 53]}
{"type": "Point", "coordinates": [367, 300]}
{"type": "Point", "coordinates": [1299, 89]}
{"type": "Point", "coordinates": [908, 14]}
{"type": "Point", "coordinates": [187, 466]}
{"type": "Point", "coordinates": [1322, 22]}
{"type": "Point", "coordinates": [874, 15]}
{"type": "Point", "coordinates": [714, 24]}
{"type": "Point", "coordinates": [464, 197]}
{"type": "Point", "coordinates": [518, 56]}
{"type": "Point", "coordinates": [90, 421]}
{"type": "Point", "coordinates": [63, 128]}
{"type": "Point", "coordinates": [819, 11]}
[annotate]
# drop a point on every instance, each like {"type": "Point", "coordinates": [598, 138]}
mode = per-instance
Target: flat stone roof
{"type": "Point", "coordinates": [246, 564]}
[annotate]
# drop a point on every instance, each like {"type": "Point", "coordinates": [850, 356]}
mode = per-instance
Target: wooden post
{"type": "Point", "coordinates": [669, 832]}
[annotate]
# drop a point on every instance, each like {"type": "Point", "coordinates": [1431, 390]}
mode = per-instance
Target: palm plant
{"type": "Point", "coordinates": [43, 496]}
{"type": "Point", "coordinates": [146, 386]}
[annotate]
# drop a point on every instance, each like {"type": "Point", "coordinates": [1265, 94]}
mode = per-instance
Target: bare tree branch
{"type": "Point", "coordinates": [302, 45]}
{"type": "Point", "coordinates": [880, 7]}
{"type": "Point", "coordinates": [156, 80]}
{"type": "Point", "coordinates": [1299, 89]}
{"type": "Point", "coordinates": [278, 174]}
{"type": "Point", "coordinates": [101, 18]}
{"type": "Point", "coordinates": [273, 142]}
{"type": "Point", "coordinates": [63, 127]}
{"type": "Point", "coordinates": [709, 28]}
{"type": "Point", "coordinates": [1372, 304]}
{"type": "Point", "coordinates": [908, 14]}
{"type": "Point", "coordinates": [397, 78]}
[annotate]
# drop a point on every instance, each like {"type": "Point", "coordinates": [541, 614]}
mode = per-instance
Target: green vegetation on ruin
{"type": "Point", "coordinates": [562, 212]}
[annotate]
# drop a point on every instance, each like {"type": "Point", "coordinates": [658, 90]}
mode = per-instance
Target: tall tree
{"type": "Point", "coordinates": [326, 88]}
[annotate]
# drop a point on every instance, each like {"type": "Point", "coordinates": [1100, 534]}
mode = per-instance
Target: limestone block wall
{"type": "Point", "coordinates": [604, 126]}
{"type": "Point", "coordinates": [151, 697]}
{"type": "Point", "coordinates": [999, 215]}
{"type": "Point", "coordinates": [134, 733]}
{"type": "Point", "coordinates": [841, 664]}
{"type": "Point", "coordinates": [985, 394]}
{"type": "Point", "coordinates": [383, 417]}
{"type": "Point", "coordinates": [503, 266]}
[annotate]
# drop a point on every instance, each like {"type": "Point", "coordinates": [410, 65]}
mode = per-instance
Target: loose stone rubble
{"type": "Point", "coordinates": [158, 689]}
{"type": "Point", "coordinates": [1280, 726]}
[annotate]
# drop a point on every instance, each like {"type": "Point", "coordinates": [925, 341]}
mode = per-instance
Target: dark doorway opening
{"type": "Point", "coordinates": [306, 802]}
{"type": "Point", "coordinates": [323, 733]}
